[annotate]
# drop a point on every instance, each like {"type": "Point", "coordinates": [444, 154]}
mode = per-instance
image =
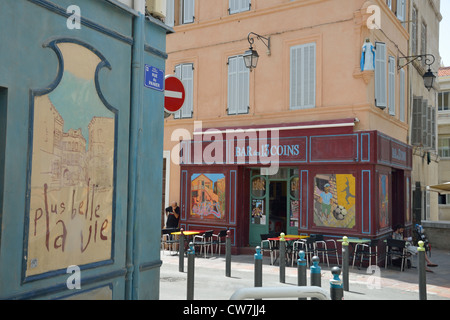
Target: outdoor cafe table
{"type": "Point", "coordinates": [188, 235]}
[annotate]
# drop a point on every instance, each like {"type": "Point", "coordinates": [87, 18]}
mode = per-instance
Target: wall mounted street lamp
{"type": "Point", "coordinates": [251, 56]}
{"type": "Point", "coordinates": [428, 77]}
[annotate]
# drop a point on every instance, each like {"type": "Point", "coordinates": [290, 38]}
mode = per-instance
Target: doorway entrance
{"type": "Point", "coordinates": [273, 203]}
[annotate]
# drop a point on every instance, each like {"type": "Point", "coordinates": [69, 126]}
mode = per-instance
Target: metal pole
{"type": "Point", "coordinates": [315, 272]}
{"type": "Point", "coordinates": [345, 265]}
{"type": "Point", "coordinates": [282, 258]}
{"type": "Point", "coordinates": [181, 252]}
{"type": "Point", "coordinates": [228, 254]}
{"type": "Point", "coordinates": [258, 267]}
{"type": "Point", "coordinates": [301, 270]}
{"type": "Point", "coordinates": [190, 272]}
{"type": "Point", "coordinates": [336, 287]}
{"type": "Point", "coordinates": [422, 272]}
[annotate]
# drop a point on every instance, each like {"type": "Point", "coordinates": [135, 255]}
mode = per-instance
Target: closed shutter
{"type": "Point", "coordinates": [303, 76]}
{"type": "Point", "coordinates": [416, 138]}
{"type": "Point", "coordinates": [424, 122]}
{"type": "Point", "coordinates": [185, 72]}
{"type": "Point", "coordinates": [238, 86]}
{"type": "Point", "coordinates": [391, 84]}
{"type": "Point", "coordinates": [401, 10]}
{"type": "Point", "coordinates": [188, 11]}
{"type": "Point", "coordinates": [414, 31]}
{"type": "Point", "coordinates": [380, 75]}
{"type": "Point", "coordinates": [170, 13]}
{"type": "Point", "coordinates": [236, 6]}
{"type": "Point", "coordinates": [402, 95]}
{"type": "Point", "coordinates": [429, 127]}
{"type": "Point", "coordinates": [433, 128]}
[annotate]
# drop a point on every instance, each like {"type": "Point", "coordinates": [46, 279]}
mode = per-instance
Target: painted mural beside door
{"type": "Point", "coordinates": [71, 181]}
{"type": "Point", "coordinates": [334, 200]}
{"type": "Point", "coordinates": [208, 196]}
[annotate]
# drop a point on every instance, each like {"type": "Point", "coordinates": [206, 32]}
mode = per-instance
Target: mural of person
{"type": "Point", "coordinates": [325, 199]}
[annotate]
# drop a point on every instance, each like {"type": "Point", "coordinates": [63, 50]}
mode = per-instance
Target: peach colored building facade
{"type": "Point", "coordinates": [215, 32]}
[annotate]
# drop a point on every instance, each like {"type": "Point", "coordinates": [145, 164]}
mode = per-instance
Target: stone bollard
{"type": "Point", "coordinates": [336, 287]}
{"type": "Point", "coordinates": [301, 270]}
{"type": "Point", "coordinates": [190, 271]}
{"type": "Point", "coordinates": [422, 272]}
{"type": "Point", "coordinates": [282, 258]}
{"type": "Point", "coordinates": [181, 252]}
{"type": "Point", "coordinates": [228, 254]}
{"type": "Point", "coordinates": [316, 277]}
{"type": "Point", "coordinates": [258, 267]}
{"type": "Point", "coordinates": [345, 265]}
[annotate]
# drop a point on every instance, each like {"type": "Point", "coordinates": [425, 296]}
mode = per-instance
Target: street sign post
{"type": "Point", "coordinates": [174, 94]}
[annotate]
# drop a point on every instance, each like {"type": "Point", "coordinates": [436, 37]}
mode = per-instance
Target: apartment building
{"type": "Point", "coordinates": [314, 139]}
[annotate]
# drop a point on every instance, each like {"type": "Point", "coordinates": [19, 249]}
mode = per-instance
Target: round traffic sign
{"type": "Point", "coordinates": [174, 94]}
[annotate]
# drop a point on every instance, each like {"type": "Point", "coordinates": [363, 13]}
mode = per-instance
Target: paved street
{"type": "Point", "coordinates": [212, 284]}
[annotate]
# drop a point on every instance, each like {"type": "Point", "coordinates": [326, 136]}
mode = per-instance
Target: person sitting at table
{"type": "Point", "coordinates": [173, 217]}
{"type": "Point", "coordinates": [398, 235]}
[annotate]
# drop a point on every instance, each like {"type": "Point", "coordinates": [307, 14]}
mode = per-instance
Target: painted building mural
{"type": "Point", "coordinates": [334, 200]}
{"type": "Point", "coordinates": [72, 167]}
{"type": "Point", "coordinates": [383, 191]}
{"type": "Point", "coordinates": [208, 196]}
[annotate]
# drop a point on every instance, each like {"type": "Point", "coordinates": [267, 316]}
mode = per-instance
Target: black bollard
{"type": "Point", "coordinates": [190, 272]}
{"type": "Point", "coordinates": [181, 252]}
{"type": "Point", "coordinates": [228, 255]}
{"type": "Point", "coordinates": [422, 272]}
{"type": "Point", "coordinates": [301, 271]}
{"type": "Point", "coordinates": [345, 258]}
{"type": "Point", "coordinates": [258, 267]}
{"type": "Point", "coordinates": [282, 258]}
{"type": "Point", "coordinates": [315, 270]}
{"type": "Point", "coordinates": [336, 287]}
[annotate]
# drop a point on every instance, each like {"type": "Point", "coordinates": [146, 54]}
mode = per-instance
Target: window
{"type": "Point", "coordinates": [238, 86]}
{"type": "Point", "coordinates": [444, 147]}
{"type": "Point", "coordinates": [380, 75]}
{"type": "Point", "coordinates": [444, 199]}
{"type": "Point", "coordinates": [185, 72]}
{"type": "Point", "coordinates": [414, 31]}
{"type": "Point", "coordinates": [402, 95]}
{"type": "Point", "coordinates": [236, 6]}
{"type": "Point", "coordinates": [303, 76]}
{"type": "Point", "coordinates": [188, 9]}
{"type": "Point", "coordinates": [391, 86]}
{"type": "Point", "coordinates": [444, 101]}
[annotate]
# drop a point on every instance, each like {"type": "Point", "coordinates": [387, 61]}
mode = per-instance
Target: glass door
{"type": "Point", "coordinates": [258, 208]}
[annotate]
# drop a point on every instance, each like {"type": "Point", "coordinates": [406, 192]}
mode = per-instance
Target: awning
{"type": "Point", "coordinates": [443, 188]}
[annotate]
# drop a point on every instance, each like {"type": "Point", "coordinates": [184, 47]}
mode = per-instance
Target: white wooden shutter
{"type": "Point", "coordinates": [170, 13]}
{"type": "Point", "coordinates": [424, 122]}
{"type": "Point", "coordinates": [391, 84]}
{"type": "Point", "coordinates": [380, 75]}
{"type": "Point", "coordinates": [402, 95]}
{"type": "Point", "coordinates": [238, 86]}
{"type": "Point", "coordinates": [401, 10]}
{"type": "Point", "coordinates": [188, 82]}
{"type": "Point", "coordinates": [416, 138]}
{"type": "Point", "coordinates": [303, 76]}
{"type": "Point", "coordinates": [433, 128]}
{"type": "Point", "coordinates": [236, 6]}
{"type": "Point", "coordinates": [188, 11]}
{"type": "Point", "coordinates": [185, 72]}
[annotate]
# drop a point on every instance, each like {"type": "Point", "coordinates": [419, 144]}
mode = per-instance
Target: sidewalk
{"type": "Point", "coordinates": [385, 284]}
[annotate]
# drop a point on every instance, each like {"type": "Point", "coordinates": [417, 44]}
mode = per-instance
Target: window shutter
{"type": "Point", "coordinates": [177, 114]}
{"type": "Point", "coordinates": [424, 122]}
{"type": "Point", "coordinates": [433, 128]}
{"type": "Point", "coordinates": [303, 76]}
{"type": "Point", "coordinates": [417, 122]}
{"type": "Point", "coordinates": [401, 10]}
{"type": "Point", "coordinates": [188, 11]}
{"type": "Point", "coordinates": [402, 94]}
{"type": "Point", "coordinates": [414, 31]}
{"type": "Point", "coordinates": [380, 75]}
{"type": "Point", "coordinates": [170, 13]}
{"type": "Point", "coordinates": [238, 86]}
{"type": "Point", "coordinates": [391, 84]}
{"type": "Point", "coordinates": [236, 6]}
{"type": "Point", "coordinates": [188, 82]}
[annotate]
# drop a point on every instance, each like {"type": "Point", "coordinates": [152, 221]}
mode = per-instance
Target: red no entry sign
{"type": "Point", "coordinates": [174, 94]}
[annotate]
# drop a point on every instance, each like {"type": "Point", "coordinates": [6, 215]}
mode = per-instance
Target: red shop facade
{"type": "Point", "coordinates": [306, 178]}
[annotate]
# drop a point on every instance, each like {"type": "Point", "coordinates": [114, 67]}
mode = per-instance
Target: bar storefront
{"type": "Point", "coordinates": [305, 178]}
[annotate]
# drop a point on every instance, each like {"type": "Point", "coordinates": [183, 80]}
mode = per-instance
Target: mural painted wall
{"type": "Point", "coordinates": [334, 200]}
{"type": "Point", "coordinates": [383, 193]}
{"type": "Point", "coordinates": [72, 168]}
{"type": "Point", "coordinates": [208, 196]}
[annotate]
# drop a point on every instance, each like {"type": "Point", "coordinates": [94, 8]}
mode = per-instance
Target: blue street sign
{"type": "Point", "coordinates": [154, 78]}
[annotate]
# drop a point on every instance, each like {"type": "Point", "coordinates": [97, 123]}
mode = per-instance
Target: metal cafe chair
{"type": "Point", "coordinates": [205, 241]}
{"type": "Point", "coordinates": [168, 240]}
{"type": "Point", "coordinates": [322, 246]}
{"type": "Point", "coordinates": [219, 239]}
{"type": "Point", "coordinates": [396, 248]}
{"type": "Point", "coordinates": [307, 245]}
{"type": "Point", "coordinates": [367, 250]}
{"type": "Point", "coordinates": [267, 245]}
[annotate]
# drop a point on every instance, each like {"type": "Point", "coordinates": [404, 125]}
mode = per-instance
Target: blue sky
{"type": "Point", "coordinates": [444, 33]}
